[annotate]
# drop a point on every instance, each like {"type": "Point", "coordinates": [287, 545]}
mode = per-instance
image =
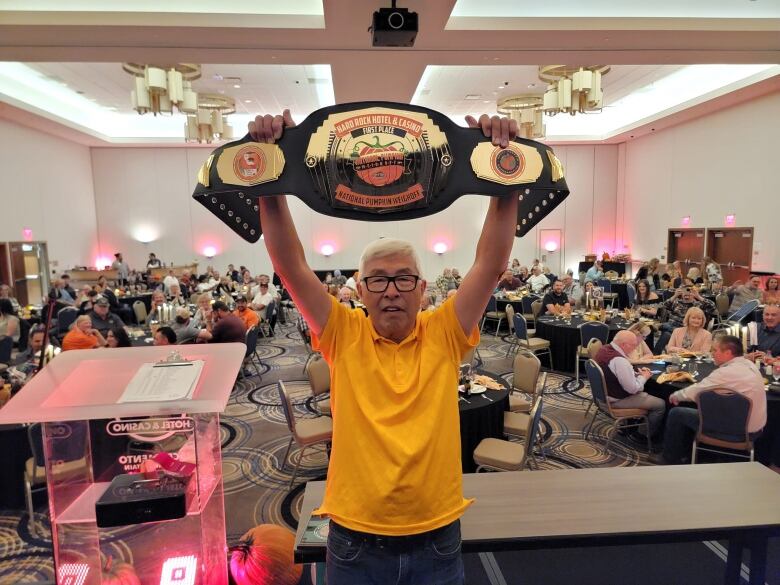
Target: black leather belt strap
{"type": "Point", "coordinates": [378, 161]}
{"type": "Point", "coordinates": [398, 543]}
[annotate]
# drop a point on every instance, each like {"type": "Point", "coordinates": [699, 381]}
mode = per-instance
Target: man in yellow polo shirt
{"type": "Point", "coordinates": [394, 493]}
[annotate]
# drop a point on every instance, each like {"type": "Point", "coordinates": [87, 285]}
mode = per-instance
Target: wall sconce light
{"type": "Point", "coordinates": [326, 250]}
{"type": "Point", "coordinates": [551, 246]}
{"type": "Point", "coordinates": [209, 252]}
{"type": "Point", "coordinates": [440, 248]}
{"type": "Point", "coordinates": [686, 221]}
{"type": "Point", "coordinates": [731, 220]}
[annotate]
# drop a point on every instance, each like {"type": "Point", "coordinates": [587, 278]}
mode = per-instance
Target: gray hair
{"type": "Point", "coordinates": [388, 247]}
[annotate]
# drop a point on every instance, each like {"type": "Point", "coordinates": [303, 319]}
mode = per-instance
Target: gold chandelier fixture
{"type": "Point", "coordinates": [572, 89]}
{"type": "Point", "coordinates": [526, 110]}
{"type": "Point", "coordinates": [160, 87]}
{"type": "Point", "coordinates": [209, 122]}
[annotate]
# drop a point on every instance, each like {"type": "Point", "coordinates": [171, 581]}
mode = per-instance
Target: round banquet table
{"type": "Point", "coordinates": [481, 419]}
{"type": "Point", "coordinates": [767, 445]}
{"type": "Point", "coordinates": [564, 337]}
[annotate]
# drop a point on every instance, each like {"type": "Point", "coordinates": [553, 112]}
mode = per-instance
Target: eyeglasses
{"type": "Point", "coordinates": [402, 282]}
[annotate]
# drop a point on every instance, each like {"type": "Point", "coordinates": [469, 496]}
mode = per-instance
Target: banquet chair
{"type": "Point", "coordinates": [510, 319]}
{"type": "Point", "coordinates": [606, 286]}
{"type": "Point", "coordinates": [319, 380]}
{"type": "Point", "coordinates": [536, 310]}
{"type": "Point", "coordinates": [139, 310]}
{"type": "Point", "coordinates": [722, 303]}
{"type": "Point", "coordinates": [34, 472]}
{"type": "Point", "coordinates": [6, 349]}
{"type": "Point", "coordinates": [65, 318]}
{"type": "Point", "coordinates": [528, 310]}
{"type": "Point", "coordinates": [516, 423]}
{"type": "Point", "coordinates": [502, 455]}
{"type": "Point", "coordinates": [598, 388]}
{"type": "Point", "coordinates": [594, 346]}
{"type": "Point", "coordinates": [305, 432]}
{"type": "Point", "coordinates": [306, 343]}
{"type": "Point", "coordinates": [250, 356]}
{"type": "Point", "coordinates": [588, 331]}
{"type": "Point", "coordinates": [739, 315]}
{"type": "Point", "coordinates": [723, 420]}
{"type": "Point", "coordinates": [535, 345]}
{"type": "Point", "coordinates": [267, 325]}
{"type": "Point", "coordinates": [525, 380]}
{"type": "Point", "coordinates": [492, 313]}
{"type": "Point", "coordinates": [631, 294]}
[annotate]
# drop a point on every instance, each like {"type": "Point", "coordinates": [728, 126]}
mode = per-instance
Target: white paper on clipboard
{"type": "Point", "coordinates": [159, 383]}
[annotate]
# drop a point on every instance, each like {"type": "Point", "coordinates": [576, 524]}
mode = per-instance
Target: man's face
{"type": "Point", "coordinates": [230, 268]}
{"type": "Point", "coordinates": [392, 313]}
{"type": "Point", "coordinates": [263, 280]}
{"type": "Point", "coordinates": [263, 288]}
{"type": "Point", "coordinates": [160, 339]}
{"type": "Point", "coordinates": [754, 282]}
{"type": "Point", "coordinates": [101, 310]}
{"type": "Point", "coordinates": [719, 354]}
{"type": "Point", "coordinates": [687, 295]}
{"type": "Point", "coordinates": [558, 287]}
{"type": "Point", "coordinates": [36, 342]}
{"type": "Point", "coordinates": [508, 275]}
{"type": "Point", "coordinates": [247, 278]}
{"type": "Point", "coordinates": [241, 305]}
{"type": "Point", "coordinates": [158, 298]}
{"type": "Point", "coordinates": [771, 316]}
{"type": "Point", "coordinates": [84, 325]}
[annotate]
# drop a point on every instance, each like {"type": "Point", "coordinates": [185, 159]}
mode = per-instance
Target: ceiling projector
{"type": "Point", "coordinates": [394, 27]}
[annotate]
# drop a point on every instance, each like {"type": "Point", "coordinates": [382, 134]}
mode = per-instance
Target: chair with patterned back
{"type": "Point", "coordinates": [589, 330]}
{"type": "Point", "coordinates": [318, 373]}
{"type": "Point", "coordinates": [65, 318]}
{"type": "Point", "coordinates": [250, 356]}
{"type": "Point", "coordinates": [525, 380]}
{"type": "Point", "coordinates": [598, 389]}
{"type": "Point", "coordinates": [631, 294]}
{"type": "Point", "coordinates": [501, 455]}
{"type": "Point", "coordinates": [528, 310]}
{"type": "Point", "coordinates": [723, 418]}
{"type": "Point", "coordinates": [535, 345]}
{"type": "Point", "coordinates": [305, 432]}
{"type": "Point", "coordinates": [139, 310]}
{"type": "Point", "coordinates": [492, 313]}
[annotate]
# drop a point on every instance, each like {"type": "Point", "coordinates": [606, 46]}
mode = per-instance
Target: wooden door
{"type": "Point", "coordinates": [18, 273]}
{"type": "Point", "coordinates": [687, 246]}
{"type": "Point", "coordinates": [732, 248]}
{"type": "Point", "coordinates": [5, 266]}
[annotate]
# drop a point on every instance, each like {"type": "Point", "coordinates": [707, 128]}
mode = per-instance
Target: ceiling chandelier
{"type": "Point", "coordinates": [526, 110]}
{"type": "Point", "coordinates": [160, 87]}
{"type": "Point", "coordinates": [209, 121]}
{"type": "Point", "coordinates": [572, 89]}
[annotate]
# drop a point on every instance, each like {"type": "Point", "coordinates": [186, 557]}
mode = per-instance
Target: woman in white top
{"type": "Point", "coordinates": [9, 322]}
{"type": "Point", "coordinates": [711, 271]}
{"type": "Point", "coordinates": [203, 313]}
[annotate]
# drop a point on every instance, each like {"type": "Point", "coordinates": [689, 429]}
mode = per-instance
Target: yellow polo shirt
{"type": "Point", "coordinates": [395, 466]}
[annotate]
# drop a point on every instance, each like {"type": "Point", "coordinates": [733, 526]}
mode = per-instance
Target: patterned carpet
{"type": "Point", "coordinates": [255, 437]}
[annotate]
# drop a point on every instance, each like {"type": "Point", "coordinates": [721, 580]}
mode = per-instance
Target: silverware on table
{"type": "Point", "coordinates": [486, 398]}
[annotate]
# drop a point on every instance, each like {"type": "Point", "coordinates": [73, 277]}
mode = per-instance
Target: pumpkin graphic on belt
{"type": "Point", "coordinates": [378, 164]}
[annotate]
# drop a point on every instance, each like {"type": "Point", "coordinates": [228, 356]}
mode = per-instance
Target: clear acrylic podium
{"type": "Point", "coordinates": [88, 439]}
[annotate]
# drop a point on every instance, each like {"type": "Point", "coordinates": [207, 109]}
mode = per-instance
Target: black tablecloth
{"type": "Point", "coordinates": [128, 300]}
{"type": "Point", "coordinates": [620, 267]}
{"type": "Point", "coordinates": [767, 445]}
{"type": "Point", "coordinates": [621, 290]}
{"type": "Point", "coordinates": [14, 452]}
{"type": "Point", "coordinates": [481, 419]}
{"type": "Point", "coordinates": [565, 337]}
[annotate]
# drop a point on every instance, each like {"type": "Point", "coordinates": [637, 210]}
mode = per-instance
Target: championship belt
{"type": "Point", "coordinates": [378, 161]}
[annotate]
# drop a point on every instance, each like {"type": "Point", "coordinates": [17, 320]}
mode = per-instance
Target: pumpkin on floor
{"type": "Point", "coordinates": [264, 556]}
{"type": "Point", "coordinates": [118, 573]}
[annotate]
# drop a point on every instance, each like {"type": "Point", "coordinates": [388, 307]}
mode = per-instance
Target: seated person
{"type": "Point", "coordinates": [345, 297]}
{"type": "Point", "coordinates": [625, 387]}
{"type": "Point", "coordinates": [165, 336]}
{"type": "Point", "coordinates": [175, 296]}
{"type": "Point", "coordinates": [744, 293]}
{"type": "Point", "coordinates": [571, 289]}
{"type": "Point", "coordinates": [595, 272]}
{"type": "Point", "coordinates": [9, 322]}
{"type": "Point", "coordinates": [446, 282]}
{"type": "Point", "coordinates": [587, 299]}
{"type": "Point", "coordinates": [735, 373]}
{"type": "Point", "coordinates": [523, 274]}
{"type": "Point", "coordinates": [555, 302]}
{"type": "Point", "coordinates": [82, 335]}
{"type": "Point", "coordinates": [428, 302]}
{"type": "Point", "coordinates": [771, 294]}
{"type": "Point", "coordinates": [642, 353]}
{"type": "Point", "coordinates": [263, 298]}
{"type": "Point", "coordinates": [646, 301]}
{"type": "Point", "coordinates": [203, 312]}
{"type": "Point", "coordinates": [118, 338]}
{"type": "Point", "coordinates": [88, 301]}
{"type": "Point", "coordinates": [537, 281]}
{"type": "Point", "coordinates": [692, 336]}
{"type": "Point", "coordinates": [102, 318]}
{"type": "Point", "coordinates": [676, 308]}
{"type": "Point", "coordinates": [768, 336]}
{"type": "Point", "coordinates": [339, 279]}
{"type": "Point", "coordinates": [509, 281]}
{"type": "Point", "coordinates": [247, 315]}
{"type": "Point", "coordinates": [7, 293]}
{"type": "Point", "coordinates": [158, 300]}
{"type": "Point", "coordinates": [184, 327]}
{"type": "Point", "coordinates": [224, 327]}
{"type": "Point", "coordinates": [34, 345]}
{"type": "Point", "coordinates": [694, 275]}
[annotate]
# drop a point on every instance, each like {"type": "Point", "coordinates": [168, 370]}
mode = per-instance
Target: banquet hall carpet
{"type": "Point", "coordinates": [255, 437]}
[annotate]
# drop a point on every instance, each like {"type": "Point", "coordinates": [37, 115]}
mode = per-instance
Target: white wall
{"type": "Point", "coordinates": [154, 187]}
{"type": "Point", "coordinates": [47, 187]}
{"type": "Point", "coordinates": [727, 162]}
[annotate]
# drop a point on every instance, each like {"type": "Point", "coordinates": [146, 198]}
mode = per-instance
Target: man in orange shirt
{"type": "Point", "coordinates": [82, 335]}
{"type": "Point", "coordinates": [394, 491]}
{"type": "Point", "coordinates": [247, 315]}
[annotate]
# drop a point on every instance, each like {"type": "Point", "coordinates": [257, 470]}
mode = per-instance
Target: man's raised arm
{"type": "Point", "coordinates": [496, 239]}
{"type": "Point", "coordinates": [282, 241]}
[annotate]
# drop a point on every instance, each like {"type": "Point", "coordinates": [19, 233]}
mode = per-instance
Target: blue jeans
{"type": "Point", "coordinates": [681, 426]}
{"type": "Point", "coordinates": [358, 558]}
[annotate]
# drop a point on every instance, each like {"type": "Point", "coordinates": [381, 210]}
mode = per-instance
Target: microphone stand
{"type": "Point", "coordinates": [51, 304]}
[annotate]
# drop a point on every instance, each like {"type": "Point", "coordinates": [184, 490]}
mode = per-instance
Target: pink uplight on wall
{"type": "Point", "coordinates": [440, 247]}
{"type": "Point", "coordinates": [730, 220]}
{"type": "Point", "coordinates": [551, 246]}
{"type": "Point", "coordinates": [686, 221]}
{"type": "Point", "coordinates": [209, 251]}
{"type": "Point", "coordinates": [327, 249]}
{"type": "Point", "coordinates": [101, 262]}
{"type": "Point", "coordinates": [27, 235]}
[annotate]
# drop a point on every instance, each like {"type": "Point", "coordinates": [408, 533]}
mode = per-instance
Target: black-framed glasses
{"type": "Point", "coordinates": [402, 282]}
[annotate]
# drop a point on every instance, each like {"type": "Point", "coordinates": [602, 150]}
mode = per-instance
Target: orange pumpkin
{"type": "Point", "coordinates": [118, 573]}
{"type": "Point", "coordinates": [378, 164]}
{"type": "Point", "coordinates": [264, 556]}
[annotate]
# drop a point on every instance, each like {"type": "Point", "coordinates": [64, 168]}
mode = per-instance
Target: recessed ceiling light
{"type": "Point", "coordinates": [237, 85]}
{"type": "Point", "coordinates": [472, 96]}
{"type": "Point", "coordinates": [500, 87]}
{"type": "Point", "coordinates": [485, 101]}
{"type": "Point", "coordinates": [247, 101]}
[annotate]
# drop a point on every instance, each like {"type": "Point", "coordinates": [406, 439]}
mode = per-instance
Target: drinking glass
{"type": "Point", "coordinates": [776, 372]}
